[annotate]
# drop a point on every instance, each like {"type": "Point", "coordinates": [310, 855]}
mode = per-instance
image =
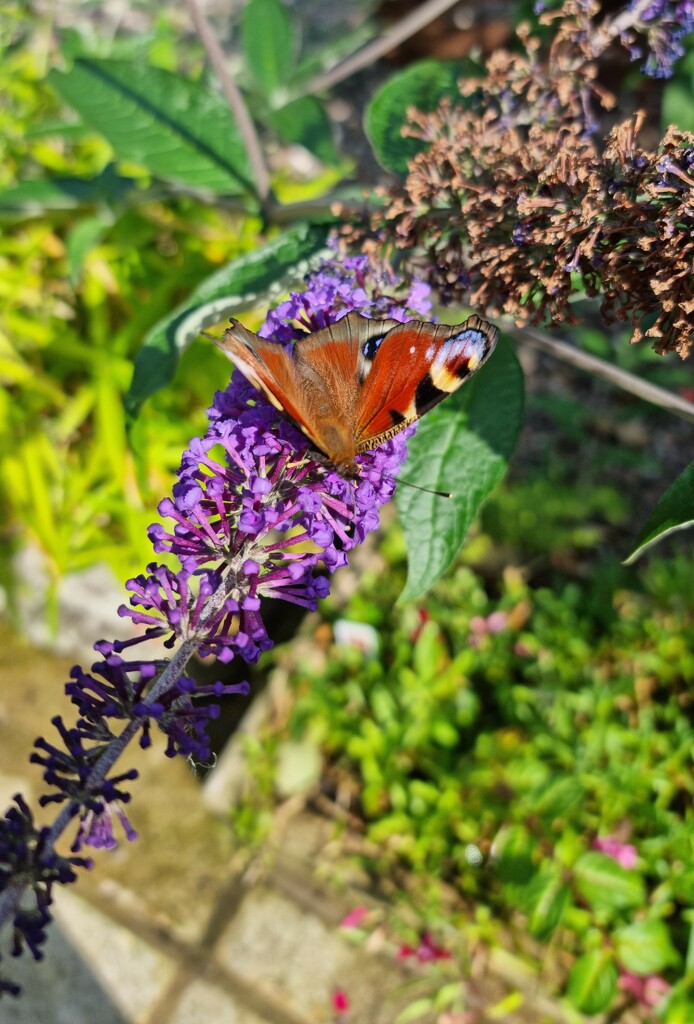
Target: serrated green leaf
{"type": "Point", "coordinates": [593, 982]}
{"type": "Point", "coordinates": [422, 86]}
{"type": "Point", "coordinates": [463, 447]}
{"type": "Point", "coordinates": [304, 121]}
{"type": "Point", "coordinates": [606, 885]}
{"type": "Point", "coordinates": [237, 286]}
{"type": "Point", "coordinates": [177, 129]}
{"type": "Point", "coordinates": [645, 947]}
{"type": "Point", "coordinates": [269, 45]}
{"type": "Point", "coordinates": [35, 197]}
{"type": "Point", "coordinates": [674, 511]}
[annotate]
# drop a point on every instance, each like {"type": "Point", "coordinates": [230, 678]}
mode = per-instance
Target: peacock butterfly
{"type": "Point", "coordinates": [354, 384]}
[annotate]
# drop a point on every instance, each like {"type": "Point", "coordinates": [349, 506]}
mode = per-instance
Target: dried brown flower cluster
{"type": "Point", "coordinates": [512, 206]}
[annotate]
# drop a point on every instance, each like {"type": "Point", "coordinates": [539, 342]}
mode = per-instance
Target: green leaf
{"type": "Point", "coordinates": [415, 1010]}
{"type": "Point", "coordinates": [549, 897]}
{"type": "Point", "coordinates": [515, 863]}
{"type": "Point", "coordinates": [606, 885]}
{"type": "Point", "coordinates": [269, 44]}
{"type": "Point", "coordinates": [688, 915]}
{"type": "Point", "coordinates": [557, 797]}
{"type": "Point", "coordinates": [239, 285]}
{"type": "Point", "coordinates": [56, 126]}
{"type": "Point", "coordinates": [422, 85]}
{"type": "Point", "coordinates": [448, 995]}
{"type": "Point", "coordinates": [177, 129]}
{"type": "Point", "coordinates": [34, 197]}
{"type": "Point", "coordinates": [674, 511]}
{"type": "Point", "coordinates": [82, 237]}
{"type": "Point", "coordinates": [677, 1006]}
{"type": "Point", "coordinates": [645, 947]}
{"type": "Point", "coordinates": [593, 982]}
{"type": "Point", "coordinates": [304, 121]}
{"type": "Point", "coordinates": [462, 446]}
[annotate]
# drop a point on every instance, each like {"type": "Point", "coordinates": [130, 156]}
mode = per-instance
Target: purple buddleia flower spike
{"type": "Point", "coordinates": [254, 514]}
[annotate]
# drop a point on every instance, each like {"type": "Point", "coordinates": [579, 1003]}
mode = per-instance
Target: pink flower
{"type": "Point", "coordinates": [493, 623]}
{"type": "Point", "coordinates": [355, 917]}
{"type": "Point", "coordinates": [425, 952]}
{"type": "Point", "coordinates": [340, 1004]}
{"type": "Point", "coordinates": [625, 854]}
{"type": "Point", "coordinates": [648, 989]}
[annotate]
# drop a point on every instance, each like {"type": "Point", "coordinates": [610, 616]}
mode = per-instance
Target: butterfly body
{"type": "Point", "coordinates": [356, 383]}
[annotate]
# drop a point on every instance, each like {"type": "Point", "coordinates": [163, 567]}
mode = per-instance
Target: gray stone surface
{"type": "Point", "coordinates": [285, 951]}
{"type": "Point", "coordinates": [94, 972]}
{"type": "Point", "coordinates": [62, 989]}
{"type": "Point", "coordinates": [88, 603]}
{"type": "Point", "coordinates": [289, 953]}
{"type": "Point", "coordinates": [202, 1003]}
{"type": "Point", "coordinates": [131, 973]}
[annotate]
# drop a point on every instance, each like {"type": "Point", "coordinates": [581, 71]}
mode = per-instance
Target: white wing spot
{"type": "Point", "coordinates": [412, 350]}
{"type": "Point", "coordinates": [471, 344]}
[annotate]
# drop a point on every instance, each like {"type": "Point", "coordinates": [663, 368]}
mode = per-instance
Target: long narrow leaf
{"type": "Point", "coordinates": [239, 285]}
{"type": "Point", "coordinates": [179, 130]}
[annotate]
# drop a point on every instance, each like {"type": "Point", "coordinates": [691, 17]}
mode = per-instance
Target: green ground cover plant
{"type": "Point", "coordinates": [527, 746]}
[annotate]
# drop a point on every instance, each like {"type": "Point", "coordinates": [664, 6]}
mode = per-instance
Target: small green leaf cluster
{"type": "Point", "coordinates": [276, 77]}
{"type": "Point", "coordinates": [527, 727]}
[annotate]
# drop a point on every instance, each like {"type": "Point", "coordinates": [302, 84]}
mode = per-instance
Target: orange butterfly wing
{"type": "Point", "coordinates": [416, 366]}
{"type": "Point", "coordinates": [316, 382]}
{"type": "Point", "coordinates": [357, 382]}
{"type": "Point", "coordinates": [267, 366]}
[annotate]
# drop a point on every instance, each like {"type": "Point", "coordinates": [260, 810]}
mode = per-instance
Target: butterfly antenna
{"type": "Point", "coordinates": [428, 490]}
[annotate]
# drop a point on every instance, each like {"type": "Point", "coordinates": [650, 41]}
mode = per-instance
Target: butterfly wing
{"type": "Point", "coordinates": [343, 352]}
{"type": "Point", "coordinates": [415, 367]}
{"type": "Point", "coordinates": [268, 366]}
{"type": "Point", "coordinates": [317, 381]}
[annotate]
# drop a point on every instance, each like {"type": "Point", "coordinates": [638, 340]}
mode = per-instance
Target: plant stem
{"type": "Point", "coordinates": [403, 29]}
{"type": "Point", "coordinates": [606, 371]}
{"type": "Point", "coordinates": [234, 99]}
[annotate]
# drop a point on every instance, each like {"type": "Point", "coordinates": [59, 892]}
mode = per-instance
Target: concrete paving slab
{"type": "Point", "coordinates": [93, 971]}
{"type": "Point", "coordinates": [132, 973]}
{"type": "Point", "coordinates": [202, 1003]}
{"type": "Point", "coordinates": [284, 951]}
{"type": "Point", "coordinates": [62, 989]}
{"type": "Point", "coordinates": [291, 955]}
